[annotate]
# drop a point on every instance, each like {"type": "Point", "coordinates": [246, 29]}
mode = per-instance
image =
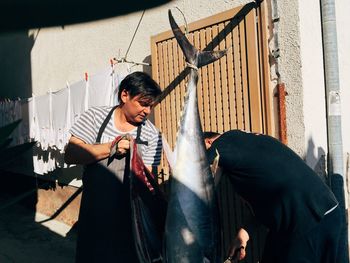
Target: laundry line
{"type": "Point", "coordinates": [47, 119]}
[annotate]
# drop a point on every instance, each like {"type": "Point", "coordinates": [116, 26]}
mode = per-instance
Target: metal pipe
{"type": "Point", "coordinates": [330, 52]}
{"type": "Point", "coordinates": [335, 145]}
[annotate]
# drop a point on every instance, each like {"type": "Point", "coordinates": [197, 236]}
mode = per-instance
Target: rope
{"type": "Point", "coordinates": [183, 15]}
{"type": "Point", "coordinates": [191, 66]}
{"type": "Point", "coordinates": [137, 28]}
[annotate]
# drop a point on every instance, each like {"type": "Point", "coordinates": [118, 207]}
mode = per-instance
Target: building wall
{"type": "Point", "coordinates": [54, 56]}
{"type": "Point", "coordinates": [313, 77]}
{"type": "Point", "coordinates": [62, 54]}
{"type": "Point", "coordinates": [45, 59]}
{"type": "Point", "coordinates": [313, 81]}
{"type": "Point", "coordinates": [289, 65]}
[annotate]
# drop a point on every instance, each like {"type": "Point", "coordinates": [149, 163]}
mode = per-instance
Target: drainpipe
{"type": "Point", "coordinates": [335, 146]}
{"type": "Point", "coordinates": [330, 53]}
{"type": "Point", "coordinates": [281, 89]}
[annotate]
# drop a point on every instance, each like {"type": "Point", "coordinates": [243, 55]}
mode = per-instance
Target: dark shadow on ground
{"type": "Point", "coordinates": [22, 240]}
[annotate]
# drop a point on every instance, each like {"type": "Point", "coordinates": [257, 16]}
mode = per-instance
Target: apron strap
{"type": "Point", "coordinates": [138, 136]}
{"type": "Point", "coordinates": [104, 124]}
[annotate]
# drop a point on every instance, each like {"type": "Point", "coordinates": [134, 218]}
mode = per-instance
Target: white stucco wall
{"type": "Point", "coordinates": [313, 77]}
{"type": "Point", "coordinates": [289, 64]}
{"type": "Point", "coordinates": [58, 55]}
{"type": "Point", "coordinates": [313, 81]}
{"type": "Point", "coordinates": [64, 54]}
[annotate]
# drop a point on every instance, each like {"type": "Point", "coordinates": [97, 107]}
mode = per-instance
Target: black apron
{"type": "Point", "coordinates": [104, 227]}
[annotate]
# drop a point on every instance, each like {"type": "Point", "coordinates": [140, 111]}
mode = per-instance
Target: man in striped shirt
{"type": "Point", "coordinates": [104, 230]}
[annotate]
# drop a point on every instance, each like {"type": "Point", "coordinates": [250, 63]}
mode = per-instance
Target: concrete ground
{"type": "Point", "coordinates": [25, 238]}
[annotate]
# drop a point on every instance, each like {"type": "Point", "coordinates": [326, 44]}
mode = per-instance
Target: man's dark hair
{"type": "Point", "coordinates": [139, 83]}
{"type": "Point", "coordinates": [210, 134]}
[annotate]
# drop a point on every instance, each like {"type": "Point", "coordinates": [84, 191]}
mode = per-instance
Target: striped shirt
{"type": "Point", "coordinates": [87, 126]}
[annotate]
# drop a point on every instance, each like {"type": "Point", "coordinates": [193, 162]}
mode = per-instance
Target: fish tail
{"type": "Point", "coordinates": [194, 57]}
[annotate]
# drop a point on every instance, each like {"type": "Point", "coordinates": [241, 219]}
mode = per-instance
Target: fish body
{"type": "Point", "coordinates": [192, 226]}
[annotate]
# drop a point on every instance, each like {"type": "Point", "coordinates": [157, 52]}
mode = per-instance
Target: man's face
{"type": "Point", "coordinates": [136, 109]}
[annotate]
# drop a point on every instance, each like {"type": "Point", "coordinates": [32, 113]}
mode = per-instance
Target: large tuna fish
{"type": "Point", "coordinates": [191, 231]}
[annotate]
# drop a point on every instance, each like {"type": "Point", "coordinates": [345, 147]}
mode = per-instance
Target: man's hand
{"type": "Point", "coordinates": [237, 250]}
{"type": "Point", "coordinates": [121, 145]}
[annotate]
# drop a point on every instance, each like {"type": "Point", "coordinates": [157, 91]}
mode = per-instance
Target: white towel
{"type": "Point", "coordinates": [77, 99]}
{"type": "Point", "coordinates": [100, 88]}
{"type": "Point", "coordinates": [24, 127]}
{"type": "Point", "coordinates": [42, 107]}
{"type": "Point", "coordinates": [60, 116]}
{"type": "Point", "coordinates": [34, 131]}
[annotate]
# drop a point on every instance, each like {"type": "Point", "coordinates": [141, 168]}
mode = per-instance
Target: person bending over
{"type": "Point", "coordinates": [285, 195]}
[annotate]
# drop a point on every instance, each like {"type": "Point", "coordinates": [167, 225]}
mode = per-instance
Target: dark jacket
{"type": "Point", "coordinates": [285, 194]}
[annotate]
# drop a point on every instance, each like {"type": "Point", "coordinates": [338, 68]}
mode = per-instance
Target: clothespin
{"type": "Point", "coordinates": [111, 61]}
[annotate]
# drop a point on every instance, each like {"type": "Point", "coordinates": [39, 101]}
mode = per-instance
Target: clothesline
{"type": "Point", "coordinates": [47, 119]}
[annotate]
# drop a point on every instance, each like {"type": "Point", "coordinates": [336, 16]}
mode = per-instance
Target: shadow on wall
{"type": "Point", "coordinates": [15, 75]}
{"type": "Point", "coordinates": [148, 69]}
{"type": "Point", "coordinates": [15, 66]}
{"type": "Point", "coordinates": [317, 161]}
{"type": "Point", "coordinates": [22, 238]}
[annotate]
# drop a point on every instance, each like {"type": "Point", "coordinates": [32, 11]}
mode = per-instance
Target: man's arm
{"type": "Point", "coordinates": [79, 152]}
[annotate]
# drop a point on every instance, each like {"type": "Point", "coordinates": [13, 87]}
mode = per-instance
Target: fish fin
{"type": "Point", "coordinates": [193, 56]}
{"type": "Point", "coordinates": [187, 48]}
{"type": "Point", "coordinates": [207, 57]}
{"type": "Point", "coordinates": [169, 154]}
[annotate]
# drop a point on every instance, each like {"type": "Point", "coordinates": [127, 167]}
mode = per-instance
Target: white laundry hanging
{"type": "Point", "coordinates": [60, 118]}
{"type": "Point", "coordinates": [34, 131]}
{"type": "Point", "coordinates": [100, 88]}
{"type": "Point", "coordinates": [11, 112]}
{"type": "Point", "coordinates": [78, 92]}
{"type": "Point", "coordinates": [24, 127]}
{"type": "Point", "coordinates": [52, 115]}
{"type": "Point", "coordinates": [17, 115]}
{"type": "Point", "coordinates": [120, 71]}
{"type": "Point", "coordinates": [42, 159]}
{"type": "Point", "coordinates": [42, 108]}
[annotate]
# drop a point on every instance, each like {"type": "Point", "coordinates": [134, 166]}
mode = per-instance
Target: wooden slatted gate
{"type": "Point", "coordinates": [233, 93]}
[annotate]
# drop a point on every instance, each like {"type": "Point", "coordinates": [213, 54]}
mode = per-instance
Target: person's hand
{"type": "Point", "coordinates": [121, 145]}
{"type": "Point", "coordinates": [237, 250]}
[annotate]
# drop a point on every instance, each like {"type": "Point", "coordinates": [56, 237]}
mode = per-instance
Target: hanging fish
{"type": "Point", "coordinates": [191, 230]}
